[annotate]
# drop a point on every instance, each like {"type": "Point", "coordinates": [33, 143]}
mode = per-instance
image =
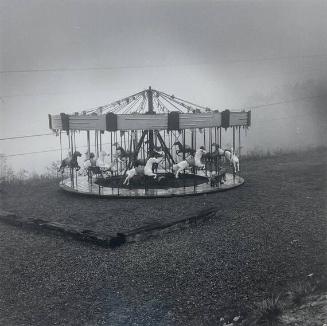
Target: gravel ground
{"type": "Point", "coordinates": [268, 234]}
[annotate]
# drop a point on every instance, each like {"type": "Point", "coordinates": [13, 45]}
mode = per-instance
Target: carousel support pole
{"type": "Point", "coordinates": [95, 143]}
{"type": "Point", "coordinates": [233, 139]}
{"type": "Point", "coordinates": [138, 147]}
{"type": "Point", "coordinates": [164, 139]}
{"type": "Point", "coordinates": [115, 140]}
{"type": "Point", "coordinates": [210, 140]}
{"type": "Point", "coordinates": [216, 135]}
{"type": "Point", "coordinates": [170, 139]}
{"type": "Point", "coordinates": [101, 140]}
{"type": "Point", "coordinates": [74, 140]}
{"type": "Point", "coordinates": [111, 146]}
{"type": "Point", "coordinates": [62, 175]}
{"type": "Point", "coordinates": [220, 137]}
{"type": "Point", "coordinates": [74, 136]}
{"type": "Point", "coordinates": [184, 144]}
{"type": "Point", "coordinates": [88, 142]}
{"type": "Point", "coordinates": [233, 151]}
{"type": "Point", "coordinates": [69, 145]}
{"type": "Point", "coordinates": [216, 142]}
{"type": "Point", "coordinates": [150, 111]}
{"type": "Point", "coordinates": [70, 137]}
{"type": "Point", "coordinates": [164, 147]}
{"type": "Point", "coordinates": [60, 146]}
{"type": "Point", "coordinates": [193, 140]}
{"type": "Point", "coordinates": [239, 142]}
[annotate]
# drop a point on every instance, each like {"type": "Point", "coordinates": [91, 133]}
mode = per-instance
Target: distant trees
{"type": "Point", "coordinates": [7, 174]}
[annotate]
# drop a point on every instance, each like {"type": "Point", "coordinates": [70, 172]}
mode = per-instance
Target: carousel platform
{"type": "Point", "coordinates": [189, 185]}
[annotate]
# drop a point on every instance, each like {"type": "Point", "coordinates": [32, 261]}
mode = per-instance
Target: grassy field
{"type": "Point", "coordinates": [267, 235]}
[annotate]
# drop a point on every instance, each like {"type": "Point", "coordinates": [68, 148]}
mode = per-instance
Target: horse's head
{"type": "Point", "coordinates": [202, 150]}
{"type": "Point", "coordinates": [152, 160]}
{"type": "Point", "coordinates": [116, 144]}
{"type": "Point", "coordinates": [77, 154]}
{"type": "Point", "coordinates": [119, 149]}
{"type": "Point", "coordinates": [177, 143]}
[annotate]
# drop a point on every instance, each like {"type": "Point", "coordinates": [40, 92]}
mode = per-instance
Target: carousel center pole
{"type": "Point", "coordinates": [150, 111]}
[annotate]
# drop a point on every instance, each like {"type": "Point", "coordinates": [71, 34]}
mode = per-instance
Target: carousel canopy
{"type": "Point", "coordinates": [149, 110]}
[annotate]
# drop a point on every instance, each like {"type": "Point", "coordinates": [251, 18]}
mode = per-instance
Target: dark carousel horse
{"type": "Point", "coordinates": [183, 149]}
{"type": "Point", "coordinates": [122, 154]}
{"type": "Point", "coordinates": [213, 160]}
{"type": "Point", "coordinates": [70, 161]}
{"type": "Point", "coordinates": [155, 148]}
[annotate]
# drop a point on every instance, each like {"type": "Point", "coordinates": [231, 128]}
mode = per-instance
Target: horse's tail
{"type": "Point", "coordinates": [61, 168]}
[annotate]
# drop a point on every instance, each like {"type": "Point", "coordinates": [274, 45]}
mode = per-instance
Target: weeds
{"type": "Point", "coordinates": [268, 312]}
{"type": "Point", "coordinates": [300, 291]}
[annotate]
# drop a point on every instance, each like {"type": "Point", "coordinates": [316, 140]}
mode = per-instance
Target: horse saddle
{"type": "Point", "coordinates": [139, 170]}
{"type": "Point", "coordinates": [190, 160]}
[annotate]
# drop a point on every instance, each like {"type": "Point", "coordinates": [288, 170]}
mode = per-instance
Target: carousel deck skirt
{"type": "Point", "coordinates": [81, 185]}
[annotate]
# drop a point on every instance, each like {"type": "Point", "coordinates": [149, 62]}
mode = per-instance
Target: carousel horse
{"type": "Point", "coordinates": [213, 159]}
{"type": "Point", "coordinates": [217, 153]}
{"type": "Point", "coordinates": [102, 164]}
{"type": "Point", "coordinates": [155, 148]}
{"type": "Point", "coordinates": [232, 159]}
{"type": "Point", "coordinates": [122, 154]}
{"type": "Point", "coordinates": [70, 161]}
{"type": "Point", "coordinates": [89, 165]}
{"type": "Point", "coordinates": [90, 161]}
{"type": "Point", "coordinates": [183, 149]}
{"type": "Point", "coordinates": [190, 162]}
{"type": "Point", "coordinates": [218, 178]}
{"type": "Point", "coordinates": [142, 170]}
{"type": "Point", "coordinates": [230, 156]}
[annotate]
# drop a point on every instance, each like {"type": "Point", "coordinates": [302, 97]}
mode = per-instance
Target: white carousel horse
{"type": "Point", "coordinates": [230, 156]}
{"type": "Point", "coordinates": [142, 170]}
{"type": "Point", "coordinates": [197, 157]}
{"type": "Point", "coordinates": [89, 161]}
{"type": "Point", "coordinates": [232, 159]}
{"type": "Point", "coordinates": [103, 161]}
{"type": "Point", "coordinates": [189, 162]}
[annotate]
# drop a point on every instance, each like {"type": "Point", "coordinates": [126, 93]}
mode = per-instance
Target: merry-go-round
{"type": "Point", "coordinates": [150, 145]}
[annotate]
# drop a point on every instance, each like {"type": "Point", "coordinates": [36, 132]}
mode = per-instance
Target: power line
{"type": "Point", "coordinates": [29, 153]}
{"type": "Point", "coordinates": [63, 69]}
{"type": "Point", "coordinates": [284, 102]}
{"type": "Point", "coordinates": [26, 136]}
{"type": "Point", "coordinates": [46, 151]}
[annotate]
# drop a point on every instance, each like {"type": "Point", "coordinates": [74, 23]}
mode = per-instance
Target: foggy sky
{"type": "Point", "coordinates": [65, 56]}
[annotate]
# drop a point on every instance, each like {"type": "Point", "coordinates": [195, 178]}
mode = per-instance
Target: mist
{"type": "Point", "coordinates": [268, 57]}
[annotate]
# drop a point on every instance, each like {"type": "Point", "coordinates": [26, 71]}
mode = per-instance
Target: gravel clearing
{"type": "Point", "coordinates": [267, 234]}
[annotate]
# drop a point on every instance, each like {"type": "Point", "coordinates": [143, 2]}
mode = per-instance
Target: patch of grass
{"type": "Point", "coordinates": [300, 291]}
{"type": "Point", "coordinates": [268, 312]}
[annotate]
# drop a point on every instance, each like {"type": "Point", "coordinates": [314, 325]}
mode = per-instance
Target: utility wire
{"type": "Point", "coordinates": [27, 136]}
{"type": "Point", "coordinates": [63, 69]}
{"type": "Point", "coordinates": [46, 151]}
{"type": "Point", "coordinates": [284, 102]}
